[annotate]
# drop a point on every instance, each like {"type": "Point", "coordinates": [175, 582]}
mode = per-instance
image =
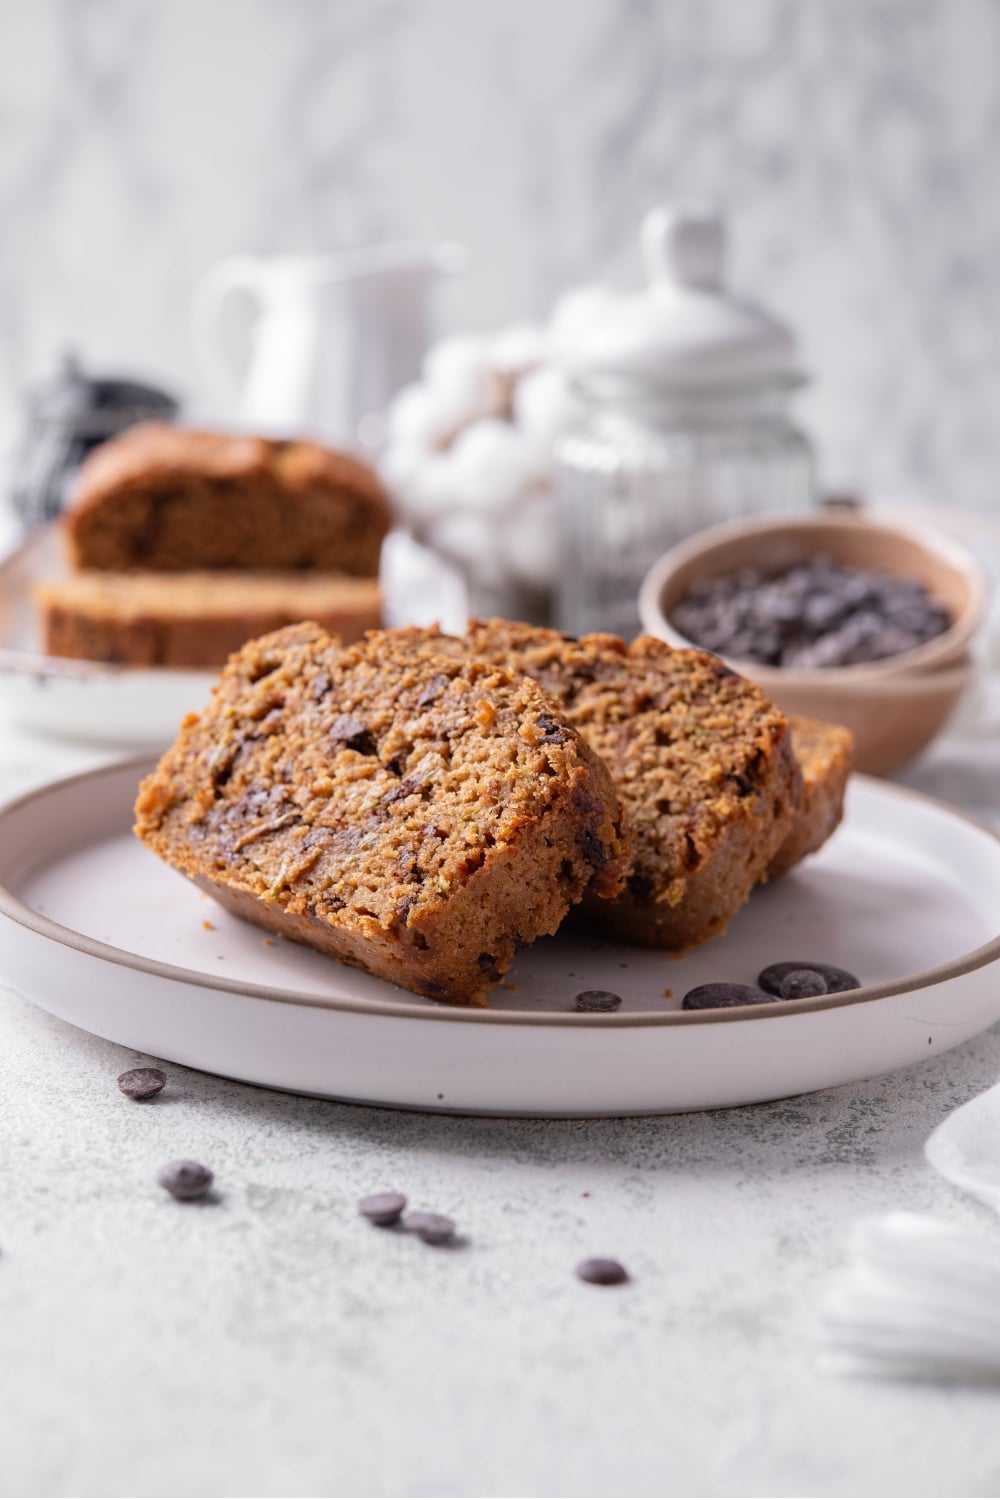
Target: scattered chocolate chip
{"type": "Point", "coordinates": [141, 1083]}
{"type": "Point", "coordinates": [600, 1272]}
{"type": "Point", "coordinates": [836, 980]}
{"type": "Point", "coordinates": [602, 1000]}
{"type": "Point", "coordinates": [185, 1178]}
{"type": "Point", "coordinates": [717, 996]}
{"type": "Point", "coordinates": [433, 1229]}
{"type": "Point", "coordinates": [382, 1209]}
{"type": "Point", "coordinates": [802, 984]}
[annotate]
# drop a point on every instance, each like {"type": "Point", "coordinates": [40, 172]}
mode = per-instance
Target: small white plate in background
{"type": "Point", "coordinates": [127, 706]}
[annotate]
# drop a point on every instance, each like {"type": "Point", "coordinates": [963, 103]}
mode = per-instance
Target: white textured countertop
{"type": "Point", "coordinates": [271, 1343]}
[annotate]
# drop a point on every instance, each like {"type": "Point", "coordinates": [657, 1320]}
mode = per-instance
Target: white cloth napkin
{"type": "Point", "coordinates": [920, 1296]}
{"type": "Point", "coordinates": [965, 1148]}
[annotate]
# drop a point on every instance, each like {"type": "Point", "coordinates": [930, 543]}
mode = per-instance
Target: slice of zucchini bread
{"type": "Point", "coordinates": [419, 816]}
{"type": "Point", "coordinates": [701, 760]}
{"type": "Point", "coordinates": [194, 619]}
{"type": "Point", "coordinates": [825, 753]}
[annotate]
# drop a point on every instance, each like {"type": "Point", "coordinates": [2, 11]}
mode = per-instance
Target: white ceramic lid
{"type": "Point", "coordinates": [685, 329]}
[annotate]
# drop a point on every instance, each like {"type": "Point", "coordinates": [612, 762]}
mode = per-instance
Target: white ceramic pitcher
{"type": "Point", "coordinates": [333, 336]}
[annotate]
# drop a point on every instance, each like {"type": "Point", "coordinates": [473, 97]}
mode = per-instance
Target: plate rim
{"type": "Point", "coordinates": [67, 668]}
{"type": "Point", "coordinates": [17, 911]}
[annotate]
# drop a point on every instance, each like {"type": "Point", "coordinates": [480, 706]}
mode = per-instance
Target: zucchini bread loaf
{"type": "Point", "coordinates": [417, 815]}
{"type": "Point", "coordinates": [164, 498]}
{"type": "Point", "coordinates": [701, 760]}
{"type": "Point", "coordinates": [194, 619]}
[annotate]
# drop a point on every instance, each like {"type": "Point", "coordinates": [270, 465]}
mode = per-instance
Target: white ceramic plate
{"type": "Point", "coordinates": [98, 931]}
{"type": "Point", "coordinates": [81, 699]}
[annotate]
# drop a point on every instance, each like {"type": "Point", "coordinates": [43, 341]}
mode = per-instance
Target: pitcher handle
{"type": "Point", "coordinates": [237, 273]}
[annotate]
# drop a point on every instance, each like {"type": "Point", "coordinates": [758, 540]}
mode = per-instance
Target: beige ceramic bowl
{"type": "Point", "coordinates": [894, 707]}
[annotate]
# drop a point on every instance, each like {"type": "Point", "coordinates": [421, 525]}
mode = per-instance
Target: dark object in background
{"type": "Point", "coordinates": [66, 416]}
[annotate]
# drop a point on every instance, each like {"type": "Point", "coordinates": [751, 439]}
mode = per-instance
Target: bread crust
{"type": "Point", "coordinates": [161, 497]}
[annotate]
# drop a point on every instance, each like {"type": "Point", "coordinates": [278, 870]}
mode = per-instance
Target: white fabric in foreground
{"type": "Point", "coordinates": [919, 1297]}
{"type": "Point", "coordinates": [965, 1148]}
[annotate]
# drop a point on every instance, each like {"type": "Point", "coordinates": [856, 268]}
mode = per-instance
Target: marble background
{"type": "Point", "coordinates": [856, 145]}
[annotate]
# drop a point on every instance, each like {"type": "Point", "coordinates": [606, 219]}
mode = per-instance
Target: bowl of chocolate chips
{"type": "Point", "coordinates": [841, 616]}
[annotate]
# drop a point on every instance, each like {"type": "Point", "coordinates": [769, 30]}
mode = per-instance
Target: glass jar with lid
{"type": "Point", "coordinates": [685, 420]}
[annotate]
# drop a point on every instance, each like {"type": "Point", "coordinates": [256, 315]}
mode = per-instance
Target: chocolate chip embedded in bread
{"type": "Point", "coordinates": [553, 732]}
{"type": "Point", "coordinates": [433, 690]}
{"type": "Point", "coordinates": [488, 964]}
{"type": "Point", "coordinates": [348, 731]}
